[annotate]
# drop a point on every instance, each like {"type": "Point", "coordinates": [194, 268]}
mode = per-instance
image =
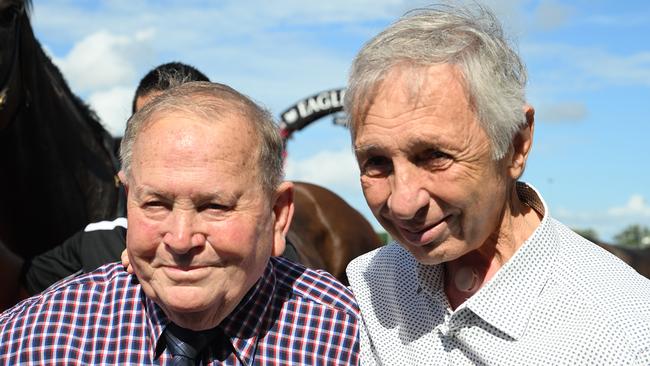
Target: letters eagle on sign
{"type": "Point", "coordinates": [311, 109]}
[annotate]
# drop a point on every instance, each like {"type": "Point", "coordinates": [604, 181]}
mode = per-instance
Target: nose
{"type": "Point", "coordinates": [181, 235]}
{"type": "Point", "coordinates": [408, 197]}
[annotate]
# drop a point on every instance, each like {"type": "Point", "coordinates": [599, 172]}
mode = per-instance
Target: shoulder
{"type": "Point", "coordinates": [77, 295]}
{"type": "Point", "coordinates": [595, 272]}
{"type": "Point", "coordinates": [390, 256]}
{"type": "Point", "coordinates": [388, 266]}
{"type": "Point", "coordinates": [385, 284]}
{"type": "Point", "coordinates": [604, 287]}
{"type": "Point", "coordinates": [313, 286]}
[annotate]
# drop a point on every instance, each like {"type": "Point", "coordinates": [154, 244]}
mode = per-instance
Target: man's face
{"type": "Point", "coordinates": [426, 168]}
{"type": "Point", "coordinates": [201, 228]}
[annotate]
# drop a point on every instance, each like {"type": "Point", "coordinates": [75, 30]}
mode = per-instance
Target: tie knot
{"type": "Point", "coordinates": [185, 344]}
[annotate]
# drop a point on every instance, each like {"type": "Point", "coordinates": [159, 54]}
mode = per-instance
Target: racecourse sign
{"type": "Point", "coordinates": [310, 109]}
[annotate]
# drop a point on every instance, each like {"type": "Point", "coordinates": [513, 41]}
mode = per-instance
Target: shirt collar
{"type": "Point", "coordinates": [508, 299]}
{"type": "Point", "coordinates": [430, 279]}
{"type": "Point", "coordinates": [242, 326]}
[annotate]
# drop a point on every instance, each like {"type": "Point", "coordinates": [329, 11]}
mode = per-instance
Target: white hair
{"type": "Point", "coordinates": [473, 40]}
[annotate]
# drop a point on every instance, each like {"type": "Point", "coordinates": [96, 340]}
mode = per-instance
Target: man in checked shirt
{"type": "Point", "coordinates": [207, 210]}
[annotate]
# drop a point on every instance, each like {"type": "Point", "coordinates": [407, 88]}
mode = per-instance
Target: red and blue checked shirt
{"type": "Point", "coordinates": [292, 316]}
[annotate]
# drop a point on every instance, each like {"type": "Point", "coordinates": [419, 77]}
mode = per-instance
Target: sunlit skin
{"type": "Point", "coordinates": [429, 178]}
{"type": "Point", "coordinates": [201, 228]}
{"type": "Point", "coordinates": [146, 98]}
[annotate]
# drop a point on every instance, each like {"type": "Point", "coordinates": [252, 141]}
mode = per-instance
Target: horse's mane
{"type": "Point", "coordinates": [53, 144]}
{"type": "Point", "coordinates": [28, 7]}
{"type": "Point", "coordinates": [59, 80]}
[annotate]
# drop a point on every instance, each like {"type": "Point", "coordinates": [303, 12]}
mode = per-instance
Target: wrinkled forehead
{"type": "Point", "coordinates": [205, 110]}
{"type": "Point", "coordinates": [408, 84]}
{"type": "Point", "coordinates": [179, 132]}
{"type": "Point", "coordinates": [178, 118]}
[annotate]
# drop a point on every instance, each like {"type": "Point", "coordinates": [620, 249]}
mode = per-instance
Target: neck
{"type": "Point", "coordinates": [466, 275]}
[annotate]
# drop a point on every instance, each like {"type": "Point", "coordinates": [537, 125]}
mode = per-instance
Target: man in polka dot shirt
{"type": "Point", "coordinates": [479, 272]}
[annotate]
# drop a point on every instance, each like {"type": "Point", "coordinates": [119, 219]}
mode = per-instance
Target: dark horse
{"type": "Point", "coordinates": [326, 232]}
{"type": "Point", "coordinates": [56, 160]}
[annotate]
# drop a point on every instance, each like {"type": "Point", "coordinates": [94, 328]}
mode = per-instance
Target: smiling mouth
{"type": "Point", "coordinates": [426, 235]}
{"type": "Point", "coordinates": [184, 268]}
{"type": "Point", "coordinates": [185, 273]}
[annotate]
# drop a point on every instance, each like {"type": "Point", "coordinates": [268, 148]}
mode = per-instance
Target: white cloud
{"type": "Point", "coordinates": [588, 65]}
{"type": "Point", "coordinates": [275, 52]}
{"type": "Point", "coordinates": [103, 60]}
{"type": "Point", "coordinates": [635, 206]}
{"type": "Point", "coordinates": [561, 112]}
{"type": "Point", "coordinates": [113, 107]}
{"type": "Point", "coordinates": [608, 222]}
{"type": "Point", "coordinates": [551, 14]}
{"type": "Point", "coordinates": [336, 169]}
{"type": "Point", "coordinates": [623, 70]}
{"type": "Point", "coordinates": [103, 68]}
{"type": "Point", "coordinates": [209, 18]}
{"type": "Point", "coordinates": [617, 20]}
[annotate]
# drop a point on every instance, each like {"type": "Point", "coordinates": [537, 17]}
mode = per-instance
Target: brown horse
{"type": "Point", "coordinates": [327, 232]}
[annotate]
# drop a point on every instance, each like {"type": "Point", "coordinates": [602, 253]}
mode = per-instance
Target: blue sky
{"type": "Point", "coordinates": [588, 65]}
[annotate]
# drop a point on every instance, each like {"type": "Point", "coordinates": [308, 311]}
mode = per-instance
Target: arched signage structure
{"type": "Point", "coordinates": [310, 109]}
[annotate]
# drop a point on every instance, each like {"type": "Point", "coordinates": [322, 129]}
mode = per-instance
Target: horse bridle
{"type": "Point", "coordinates": [6, 78]}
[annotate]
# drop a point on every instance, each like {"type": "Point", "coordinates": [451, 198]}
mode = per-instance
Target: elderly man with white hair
{"type": "Point", "coordinates": [208, 211]}
{"type": "Point", "coordinates": [480, 273]}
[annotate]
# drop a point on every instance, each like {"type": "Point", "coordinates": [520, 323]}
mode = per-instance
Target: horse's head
{"type": "Point", "coordinates": [13, 16]}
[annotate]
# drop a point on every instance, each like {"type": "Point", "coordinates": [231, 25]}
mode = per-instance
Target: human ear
{"type": "Point", "coordinates": [126, 262]}
{"type": "Point", "coordinates": [122, 177]}
{"type": "Point", "coordinates": [522, 143]}
{"type": "Point", "coordinates": [282, 213]}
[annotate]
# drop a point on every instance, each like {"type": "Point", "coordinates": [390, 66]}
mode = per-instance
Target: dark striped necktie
{"type": "Point", "coordinates": [186, 345]}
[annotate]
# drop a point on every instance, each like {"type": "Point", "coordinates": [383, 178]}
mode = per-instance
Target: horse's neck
{"type": "Point", "coordinates": [46, 88]}
{"type": "Point", "coordinates": [59, 175]}
{"type": "Point", "coordinates": [58, 133]}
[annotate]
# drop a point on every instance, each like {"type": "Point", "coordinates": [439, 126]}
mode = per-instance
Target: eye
{"type": "Point", "coordinates": [156, 208]}
{"type": "Point", "coordinates": [155, 204]}
{"type": "Point", "coordinates": [376, 166]}
{"type": "Point", "coordinates": [213, 206]}
{"type": "Point", "coordinates": [434, 159]}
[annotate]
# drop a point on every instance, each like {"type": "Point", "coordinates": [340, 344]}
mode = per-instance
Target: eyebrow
{"type": "Point", "coordinates": [433, 141]}
{"type": "Point", "coordinates": [365, 149]}
{"type": "Point", "coordinates": [144, 190]}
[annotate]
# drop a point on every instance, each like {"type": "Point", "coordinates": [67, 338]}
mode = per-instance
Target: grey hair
{"type": "Point", "coordinates": [212, 101]}
{"type": "Point", "coordinates": [470, 38]}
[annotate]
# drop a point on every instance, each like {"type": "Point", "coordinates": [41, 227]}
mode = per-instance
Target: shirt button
{"type": "Point", "coordinates": [444, 330]}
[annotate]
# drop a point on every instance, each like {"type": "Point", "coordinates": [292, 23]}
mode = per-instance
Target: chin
{"type": "Point", "coordinates": [185, 299]}
{"type": "Point", "coordinates": [429, 259]}
{"type": "Point", "coordinates": [430, 254]}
